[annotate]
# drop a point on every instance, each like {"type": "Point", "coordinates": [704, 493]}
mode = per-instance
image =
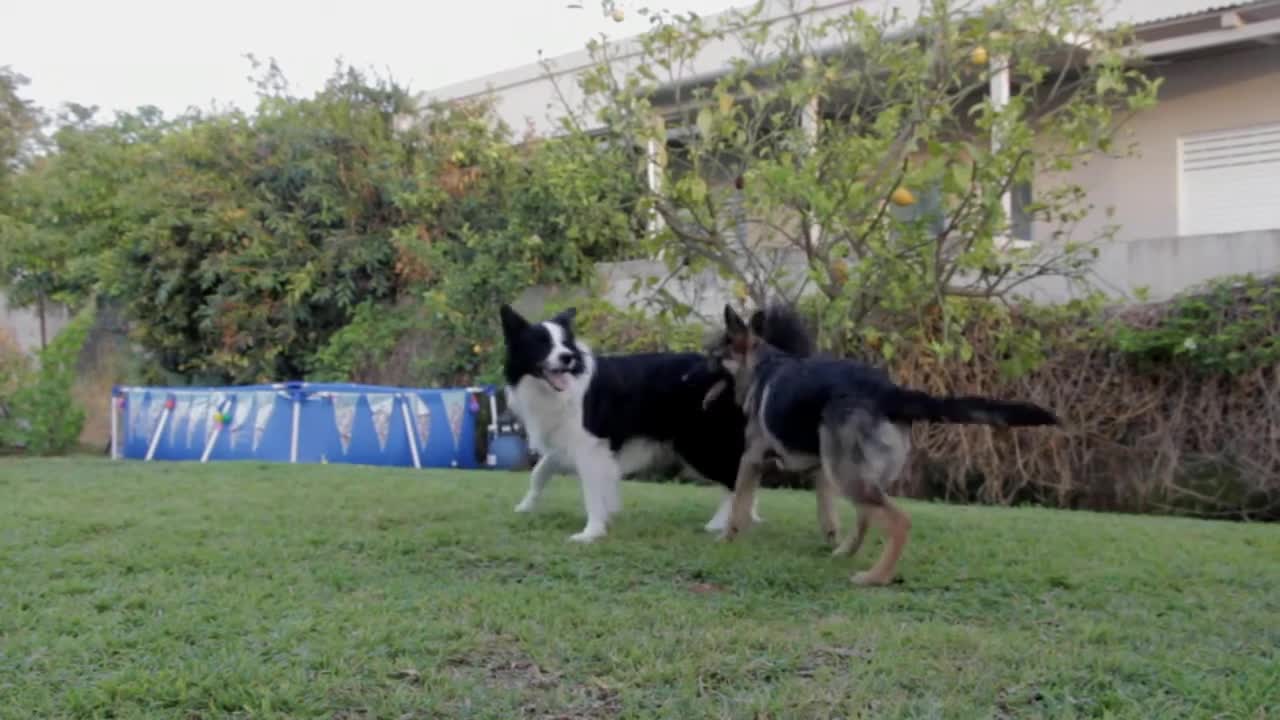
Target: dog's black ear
{"type": "Point", "coordinates": [757, 323]}
{"type": "Point", "coordinates": [512, 322]}
{"type": "Point", "coordinates": [565, 317]}
{"type": "Point", "coordinates": [733, 321]}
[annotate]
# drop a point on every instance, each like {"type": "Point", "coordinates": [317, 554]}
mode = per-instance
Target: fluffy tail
{"type": "Point", "coordinates": [904, 405]}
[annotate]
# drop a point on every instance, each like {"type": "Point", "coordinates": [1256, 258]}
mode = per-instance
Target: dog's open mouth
{"type": "Point", "coordinates": [558, 379]}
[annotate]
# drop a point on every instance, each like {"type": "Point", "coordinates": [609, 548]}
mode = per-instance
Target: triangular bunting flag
{"type": "Point", "coordinates": [215, 409]}
{"type": "Point", "coordinates": [181, 404]}
{"type": "Point", "coordinates": [263, 405]}
{"type": "Point", "coordinates": [422, 418]}
{"type": "Point", "coordinates": [240, 417]}
{"type": "Point", "coordinates": [199, 409]}
{"type": "Point", "coordinates": [136, 416]}
{"type": "Point", "coordinates": [154, 409]}
{"type": "Point", "coordinates": [381, 405]}
{"type": "Point", "coordinates": [455, 404]}
{"type": "Point", "coordinates": [344, 416]}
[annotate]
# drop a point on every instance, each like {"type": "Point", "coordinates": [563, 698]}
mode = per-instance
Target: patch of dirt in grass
{"type": "Point", "coordinates": [502, 664]}
{"type": "Point", "coordinates": [841, 658]}
{"type": "Point", "coordinates": [1013, 702]}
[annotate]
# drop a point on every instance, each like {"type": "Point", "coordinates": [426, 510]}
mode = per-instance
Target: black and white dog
{"type": "Point", "coordinates": [606, 417]}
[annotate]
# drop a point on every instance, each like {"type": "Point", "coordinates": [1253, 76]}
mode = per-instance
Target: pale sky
{"type": "Point", "coordinates": [120, 54]}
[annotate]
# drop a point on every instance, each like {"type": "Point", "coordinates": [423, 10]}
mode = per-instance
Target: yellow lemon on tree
{"type": "Point", "coordinates": [903, 197]}
{"type": "Point", "coordinates": [978, 56]}
{"type": "Point", "coordinates": [840, 271]}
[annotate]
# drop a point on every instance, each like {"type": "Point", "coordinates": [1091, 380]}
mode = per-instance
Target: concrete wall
{"type": "Point", "coordinates": [1163, 267]}
{"type": "Point", "coordinates": [1166, 266]}
{"type": "Point", "coordinates": [23, 324]}
{"type": "Point", "coordinates": [1211, 93]}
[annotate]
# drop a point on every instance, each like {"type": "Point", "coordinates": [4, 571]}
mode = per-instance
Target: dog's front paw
{"type": "Point", "coordinates": [727, 535]}
{"type": "Point", "coordinates": [587, 536]}
{"type": "Point", "coordinates": [526, 505]}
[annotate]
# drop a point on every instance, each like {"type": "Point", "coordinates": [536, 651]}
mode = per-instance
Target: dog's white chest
{"type": "Point", "coordinates": [552, 420]}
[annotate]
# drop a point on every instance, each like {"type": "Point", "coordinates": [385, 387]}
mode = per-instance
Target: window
{"type": "Point", "coordinates": [1228, 180]}
{"type": "Point", "coordinates": [1020, 200]}
{"type": "Point", "coordinates": [929, 206]}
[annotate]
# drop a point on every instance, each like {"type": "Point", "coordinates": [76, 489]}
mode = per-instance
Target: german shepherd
{"type": "Point", "coordinates": [843, 421]}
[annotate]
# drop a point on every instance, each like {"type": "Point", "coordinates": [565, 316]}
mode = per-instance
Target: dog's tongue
{"type": "Point", "coordinates": [558, 380]}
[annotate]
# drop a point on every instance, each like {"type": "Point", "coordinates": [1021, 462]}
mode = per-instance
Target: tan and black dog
{"type": "Point", "coordinates": [842, 420]}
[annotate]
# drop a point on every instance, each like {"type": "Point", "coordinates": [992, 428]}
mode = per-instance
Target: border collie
{"type": "Point", "coordinates": [607, 417]}
{"type": "Point", "coordinates": [843, 421]}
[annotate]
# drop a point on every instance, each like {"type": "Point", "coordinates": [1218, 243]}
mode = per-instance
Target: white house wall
{"type": "Point", "coordinates": [1213, 93]}
{"type": "Point", "coordinates": [23, 324]}
{"type": "Point", "coordinates": [526, 96]}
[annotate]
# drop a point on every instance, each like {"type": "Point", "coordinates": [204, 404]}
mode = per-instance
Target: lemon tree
{"type": "Point", "coordinates": [860, 160]}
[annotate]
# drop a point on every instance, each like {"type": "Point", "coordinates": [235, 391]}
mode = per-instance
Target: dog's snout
{"type": "Point", "coordinates": [566, 358]}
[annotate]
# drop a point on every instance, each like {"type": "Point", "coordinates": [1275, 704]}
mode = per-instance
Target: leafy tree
{"type": "Point", "coordinates": [68, 208]}
{"type": "Point", "coordinates": [41, 416]}
{"type": "Point", "coordinates": [20, 122]}
{"type": "Point", "coordinates": [861, 156]}
{"type": "Point", "coordinates": [497, 217]}
{"type": "Point", "coordinates": [258, 235]}
{"type": "Point", "coordinates": [312, 235]}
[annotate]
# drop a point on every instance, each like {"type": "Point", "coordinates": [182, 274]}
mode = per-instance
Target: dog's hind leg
{"type": "Point", "coordinates": [542, 472]}
{"type": "Point", "coordinates": [828, 513]}
{"type": "Point", "coordinates": [896, 525]}
{"type": "Point", "coordinates": [853, 542]}
{"type": "Point", "coordinates": [863, 458]}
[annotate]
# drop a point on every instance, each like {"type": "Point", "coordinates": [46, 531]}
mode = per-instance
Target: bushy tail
{"type": "Point", "coordinates": [904, 405]}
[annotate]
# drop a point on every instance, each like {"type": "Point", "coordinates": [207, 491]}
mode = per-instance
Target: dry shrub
{"type": "Point", "coordinates": [16, 369]}
{"type": "Point", "coordinates": [1135, 437]}
{"type": "Point", "coordinates": [14, 364]}
{"type": "Point", "coordinates": [107, 359]}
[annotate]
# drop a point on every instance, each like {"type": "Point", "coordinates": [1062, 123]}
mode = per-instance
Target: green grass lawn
{"type": "Point", "coordinates": [247, 590]}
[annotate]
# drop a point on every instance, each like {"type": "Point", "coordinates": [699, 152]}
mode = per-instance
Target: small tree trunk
{"type": "Point", "coordinates": [44, 340]}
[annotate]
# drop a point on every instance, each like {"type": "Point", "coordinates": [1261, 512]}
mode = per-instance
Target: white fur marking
{"type": "Point", "coordinates": [720, 520]}
{"type": "Point", "coordinates": [553, 421]}
{"type": "Point", "coordinates": [542, 473]}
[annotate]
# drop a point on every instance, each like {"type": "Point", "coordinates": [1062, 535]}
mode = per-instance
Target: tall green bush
{"type": "Point", "coordinates": [42, 417]}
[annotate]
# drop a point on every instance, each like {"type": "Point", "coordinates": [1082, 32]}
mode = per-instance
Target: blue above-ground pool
{"type": "Point", "coordinates": [300, 422]}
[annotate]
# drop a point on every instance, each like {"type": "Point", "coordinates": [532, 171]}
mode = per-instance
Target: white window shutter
{"type": "Point", "coordinates": [1229, 181]}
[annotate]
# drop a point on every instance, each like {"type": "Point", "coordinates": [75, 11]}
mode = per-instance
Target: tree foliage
{"type": "Point", "coordinates": [241, 245]}
{"type": "Point", "coordinates": [1229, 327]}
{"type": "Point", "coordinates": [20, 122]}
{"type": "Point", "coordinates": [860, 158]}
{"type": "Point", "coordinates": [38, 413]}
{"type": "Point", "coordinates": [507, 217]}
